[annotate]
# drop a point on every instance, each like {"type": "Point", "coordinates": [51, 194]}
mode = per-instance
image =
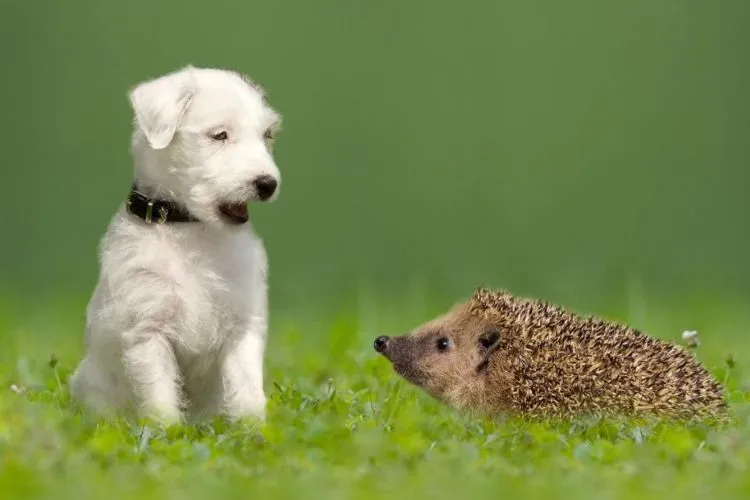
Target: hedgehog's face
{"type": "Point", "coordinates": [445, 357]}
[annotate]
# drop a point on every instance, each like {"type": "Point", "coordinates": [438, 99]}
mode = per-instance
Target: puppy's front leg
{"type": "Point", "coordinates": [152, 372]}
{"type": "Point", "coordinates": [242, 364]}
{"type": "Point", "coordinates": [242, 377]}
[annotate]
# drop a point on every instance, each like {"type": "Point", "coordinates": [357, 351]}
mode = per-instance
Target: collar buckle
{"type": "Point", "coordinates": [163, 212]}
{"type": "Point", "coordinates": [149, 211]}
{"type": "Point", "coordinates": [155, 211]}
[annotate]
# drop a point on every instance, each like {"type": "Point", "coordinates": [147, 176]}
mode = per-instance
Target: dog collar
{"type": "Point", "coordinates": [156, 211]}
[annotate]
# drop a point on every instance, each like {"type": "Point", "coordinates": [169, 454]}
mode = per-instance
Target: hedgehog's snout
{"type": "Point", "coordinates": [401, 352]}
{"type": "Point", "coordinates": [381, 344]}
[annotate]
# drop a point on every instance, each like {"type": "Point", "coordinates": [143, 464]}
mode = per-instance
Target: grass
{"type": "Point", "coordinates": [342, 425]}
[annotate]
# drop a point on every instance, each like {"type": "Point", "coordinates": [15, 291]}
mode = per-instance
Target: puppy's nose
{"type": "Point", "coordinates": [381, 343]}
{"type": "Point", "coordinates": [265, 186]}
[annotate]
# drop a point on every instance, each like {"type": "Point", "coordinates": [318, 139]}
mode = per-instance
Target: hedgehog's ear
{"type": "Point", "coordinates": [489, 341]}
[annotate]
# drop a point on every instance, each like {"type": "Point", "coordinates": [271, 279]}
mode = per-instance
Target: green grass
{"type": "Point", "coordinates": [342, 425]}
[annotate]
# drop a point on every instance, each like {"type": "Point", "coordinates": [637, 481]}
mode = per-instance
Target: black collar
{"type": "Point", "coordinates": [156, 211]}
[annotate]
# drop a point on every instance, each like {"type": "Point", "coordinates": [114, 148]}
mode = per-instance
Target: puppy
{"type": "Point", "coordinates": [176, 326]}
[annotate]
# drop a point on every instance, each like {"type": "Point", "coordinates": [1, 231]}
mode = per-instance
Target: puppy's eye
{"type": "Point", "coordinates": [268, 134]}
{"type": "Point", "coordinates": [220, 136]}
{"type": "Point", "coordinates": [443, 343]}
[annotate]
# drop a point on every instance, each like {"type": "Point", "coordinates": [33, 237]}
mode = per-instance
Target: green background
{"type": "Point", "coordinates": [573, 150]}
{"type": "Point", "coordinates": [594, 153]}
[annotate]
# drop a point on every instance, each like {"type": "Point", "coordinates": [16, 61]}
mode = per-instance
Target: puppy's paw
{"type": "Point", "coordinates": [250, 407]}
{"type": "Point", "coordinates": [164, 415]}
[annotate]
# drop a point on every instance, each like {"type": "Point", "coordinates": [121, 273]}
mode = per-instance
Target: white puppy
{"type": "Point", "coordinates": [176, 326]}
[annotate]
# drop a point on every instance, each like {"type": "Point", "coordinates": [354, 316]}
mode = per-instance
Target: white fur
{"type": "Point", "coordinates": [176, 326]}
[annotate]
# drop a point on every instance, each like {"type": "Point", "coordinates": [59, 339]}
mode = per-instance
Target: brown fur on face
{"type": "Point", "coordinates": [500, 354]}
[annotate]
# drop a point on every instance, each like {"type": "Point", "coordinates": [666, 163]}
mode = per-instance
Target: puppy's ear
{"type": "Point", "coordinates": [160, 104]}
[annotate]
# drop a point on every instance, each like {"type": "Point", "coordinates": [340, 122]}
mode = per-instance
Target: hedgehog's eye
{"type": "Point", "coordinates": [443, 343]}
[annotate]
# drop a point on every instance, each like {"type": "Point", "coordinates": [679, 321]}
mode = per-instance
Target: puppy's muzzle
{"type": "Point", "coordinates": [265, 186]}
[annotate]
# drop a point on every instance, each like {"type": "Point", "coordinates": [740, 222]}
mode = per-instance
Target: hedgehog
{"type": "Point", "coordinates": [499, 354]}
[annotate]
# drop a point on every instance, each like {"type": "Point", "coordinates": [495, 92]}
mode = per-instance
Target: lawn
{"type": "Point", "coordinates": [342, 425]}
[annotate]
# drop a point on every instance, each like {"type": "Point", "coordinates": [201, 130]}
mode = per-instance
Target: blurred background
{"type": "Point", "coordinates": [585, 151]}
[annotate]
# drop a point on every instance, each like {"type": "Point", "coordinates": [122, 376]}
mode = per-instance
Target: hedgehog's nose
{"type": "Point", "coordinates": [380, 343]}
